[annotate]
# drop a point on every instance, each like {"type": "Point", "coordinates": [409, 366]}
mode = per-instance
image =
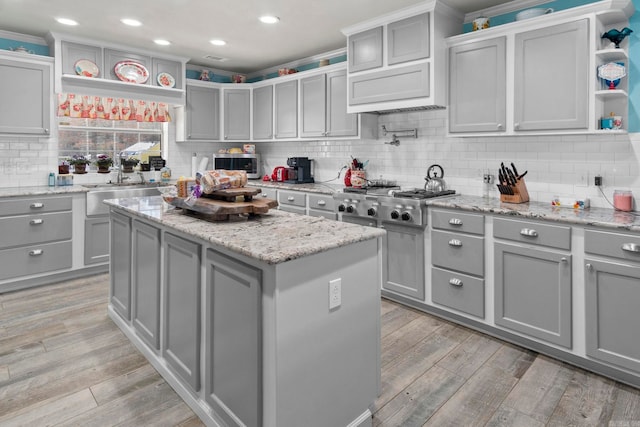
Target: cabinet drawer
{"type": "Point", "coordinates": [616, 245]}
{"type": "Point", "coordinates": [321, 202]}
{"type": "Point", "coordinates": [458, 252]}
{"type": "Point", "coordinates": [35, 259]}
{"type": "Point", "coordinates": [457, 221]}
{"type": "Point", "coordinates": [269, 193]}
{"type": "Point", "coordinates": [293, 198]}
{"type": "Point", "coordinates": [29, 229]}
{"type": "Point", "coordinates": [555, 236]}
{"type": "Point", "coordinates": [34, 205]}
{"type": "Point", "coordinates": [458, 291]}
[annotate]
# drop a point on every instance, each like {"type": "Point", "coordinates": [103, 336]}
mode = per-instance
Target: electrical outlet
{"type": "Point", "coordinates": [598, 181]}
{"type": "Point", "coordinates": [335, 293]}
{"type": "Point", "coordinates": [487, 178]}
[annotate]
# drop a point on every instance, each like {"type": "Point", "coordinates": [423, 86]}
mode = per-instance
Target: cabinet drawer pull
{"type": "Point", "coordinates": [455, 221]}
{"type": "Point", "coordinates": [455, 242]}
{"type": "Point", "coordinates": [264, 194]}
{"type": "Point", "coordinates": [321, 203]}
{"type": "Point", "coordinates": [291, 198]}
{"type": "Point", "coordinates": [589, 267]}
{"type": "Point", "coordinates": [563, 259]}
{"type": "Point", "coordinates": [455, 282]}
{"type": "Point", "coordinates": [37, 205]}
{"type": "Point", "coordinates": [529, 232]}
{"type": "Point", "coordinates": [36, 252]}
{"type": "Point", "coordinates": [36, 221]}
{"type": "Point", "coordinates": [631, 247]}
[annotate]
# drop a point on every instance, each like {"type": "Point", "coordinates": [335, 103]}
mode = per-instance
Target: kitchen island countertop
{"type": "Point", "coordinates": [273, 238]}
{"type": "Point", "coordinates": [598, 217]}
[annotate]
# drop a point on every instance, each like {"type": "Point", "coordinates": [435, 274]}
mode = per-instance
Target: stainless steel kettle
{"type": "Point", "coordinates": [433, 182]}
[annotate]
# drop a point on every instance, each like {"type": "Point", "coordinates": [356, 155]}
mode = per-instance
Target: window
{"type": "Point", "coordinates": [90, 137]}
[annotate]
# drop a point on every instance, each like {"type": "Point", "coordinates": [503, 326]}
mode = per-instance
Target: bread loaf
{"type": "Point", "coordinates": [221, 179]}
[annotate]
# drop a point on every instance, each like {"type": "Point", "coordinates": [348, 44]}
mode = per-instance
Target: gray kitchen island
{"type": "Point", "coordinates": [272, 320]}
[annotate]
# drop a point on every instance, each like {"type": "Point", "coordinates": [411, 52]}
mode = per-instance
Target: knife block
{"type": "Point", "coordinates": [521, 195]}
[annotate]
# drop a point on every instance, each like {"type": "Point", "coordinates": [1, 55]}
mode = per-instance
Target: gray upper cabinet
{"type": "Point", "coordinates": [263, 112]}
{"type": "Point", "coordinates": [314, 104]}
{"type": "Point", "coordinates": [202, 118]}
{"type": "Point", "coordinates": [408, 39]}
{"type": "Point", "coordinates": [365, 50]}
{"type": "Point", "coordinates": [237, 108]}
{"type": "Point", "coordinates": [477, 86]}
{"type": "Point", "coordinates": [25, 87]}
{"type": "Point", "coordinates": [324, 106]}
{"type": "Point", "coordinates": [551, 78]}
{"type": "Point", "coordinates": [286, 109]}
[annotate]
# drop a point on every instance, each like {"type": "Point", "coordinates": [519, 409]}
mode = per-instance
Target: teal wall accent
{"type": "Point", "coordinates": [634, 70]}
{"type": "Point", "coordinates": [38, 49]}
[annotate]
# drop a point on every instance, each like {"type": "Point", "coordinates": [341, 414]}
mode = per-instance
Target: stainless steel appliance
{"type": "Point", "coordinates": [250, 163]}
{"type": "Point", "coordinates": [403, 214]}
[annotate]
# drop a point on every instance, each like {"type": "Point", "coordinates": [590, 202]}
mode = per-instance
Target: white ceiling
{"type": "Point", "coordinates": [306, 27]}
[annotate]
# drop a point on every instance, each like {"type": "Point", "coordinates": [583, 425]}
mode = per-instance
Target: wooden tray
{"type": "Point", "coordinates": [231, 194]}
{"type": "Point", "coordinates": [220, 210]}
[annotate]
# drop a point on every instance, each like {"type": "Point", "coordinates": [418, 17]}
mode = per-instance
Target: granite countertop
{"type": "Point", "coordinates": [316, 187]}
{"type": "Point", "coordinates": [598, 217]}
{"type": "Point", "coordinates": [41, 190]}
{"type": "Point", "coordinates": [273, 238]}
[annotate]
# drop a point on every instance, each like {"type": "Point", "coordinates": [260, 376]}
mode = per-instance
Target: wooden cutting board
{"type": "Point", "coordinates": [227, 203]}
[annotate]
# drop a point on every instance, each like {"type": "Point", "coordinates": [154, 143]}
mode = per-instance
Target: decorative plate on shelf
{"type": "Point", "coordinates": [611, 73]}
{"type": "Point", "coordinates": [86, 68]}
{"type": "Point", "coordinates": [131, 72]}
{"type": "Point", "coordinates": [166, 80]}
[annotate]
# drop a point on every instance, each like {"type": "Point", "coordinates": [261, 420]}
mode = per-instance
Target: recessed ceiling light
{"type": "Point", "coordinates": [218, 42]}
{"type": "Point", "coordinates": [269, 19]}
{"type": "Point", "coordinates": [66, 21]}
{"type": "Point", "coordinates": [162, 42]}
{"type": "Point", "coordinates": [131, 22]}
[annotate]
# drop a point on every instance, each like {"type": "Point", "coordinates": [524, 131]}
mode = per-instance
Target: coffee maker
{"type": "Point", "coordinates": [299, 171]}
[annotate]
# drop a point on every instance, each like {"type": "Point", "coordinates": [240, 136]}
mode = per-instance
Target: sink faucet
{"type": "Point", "coordinates": [120, 177]}
{"type": "Point", "coordinates": [142, 180]}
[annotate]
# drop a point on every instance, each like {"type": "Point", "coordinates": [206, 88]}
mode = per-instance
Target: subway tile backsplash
{"type": "Point", "coordinates": [27, 161]}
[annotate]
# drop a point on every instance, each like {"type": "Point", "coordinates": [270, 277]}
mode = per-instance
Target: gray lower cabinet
{"type": "Point", "coordinates": [202, 114]}
{"type": "Point", "coordinates": [533, 292]}
{"type": "Point", "coordinates": [120, 272]}
{"type": "Point", "coordinates": [96, 240]}
{"type": "Point", "coordinates": [286, 109]}
{"type": "Point", "coordinates": [181, 319]}
{"type": "Point", "coordinates": [263, 112]}
{"type": "Point", "coordinates": [233, 322]}
{"type": "Point", "coordinates": [478, 86]}
{"type": "Point", "coordinates": [546, 98]}
{"type": "Point", "coordinates": [25, 87]}
{"type": "Point", "coordinates": [145, 282]}
{"type": "Point", "coordinates": [612, 317]}
{"type": "Point", "coordinates": [237, 107]}
{"type": "Point", "coordinates": [403, 256]}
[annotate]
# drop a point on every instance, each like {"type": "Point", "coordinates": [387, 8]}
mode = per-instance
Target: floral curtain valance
{"type": "Point", "coordinates": [106, 108]}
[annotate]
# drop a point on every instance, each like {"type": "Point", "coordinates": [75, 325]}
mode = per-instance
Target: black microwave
{"type": "Point", "coordinates": [250, 163]}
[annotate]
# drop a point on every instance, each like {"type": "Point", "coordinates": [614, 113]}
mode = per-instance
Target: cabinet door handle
{"type": "Point", "coordinates": [631, 247]}
{"type": "Point", "coordinates": [589, 267]}
{"type": "Point", "coordinates": [455, 221]}
{"type": "Point", "coordinates": [529, 232]}
{"type": "Point", "coordinates": [455, 242]}
{"type": "Point", "coordinates": [46, 131]}
{"type": "Point", "coordinates": [37, 205]}
{"type": "Point", "coordinates": [36, 221]}
{"type": "Point", "coordinates": [455, 282]}
{"type": "Point", "coordinates": [563, 259]}
{"type": "Point", "coordinates": [499, 126]}
{"type": "Point", "coordinates": [291, 198]}
{"type": "Point", "coordinates": [36, 252]}
{"type": "Point", "coordinates": [516, 125]}
{"type": "Point", "coordinates": [321, 203]}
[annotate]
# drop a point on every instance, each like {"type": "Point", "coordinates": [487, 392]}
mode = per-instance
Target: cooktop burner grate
{"type": "Point", "coordinates": [422, 194]}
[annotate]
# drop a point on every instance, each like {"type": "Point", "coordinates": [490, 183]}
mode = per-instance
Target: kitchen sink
{"type": "Point", "coordinates": [100, 192]}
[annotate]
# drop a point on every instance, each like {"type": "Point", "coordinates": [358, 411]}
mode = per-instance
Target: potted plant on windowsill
{"type": "Point", "coordinates": [128, 164]}
{"type": "Point", "coordinates": [103, 162]}
{"type": "Point", "coordinates": [79, 163]}
{"type": "Point", "coordinates": [63, 166]}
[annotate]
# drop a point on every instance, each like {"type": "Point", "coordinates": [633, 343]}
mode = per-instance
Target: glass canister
{"type": "Point", "coordinates": [623, 200]}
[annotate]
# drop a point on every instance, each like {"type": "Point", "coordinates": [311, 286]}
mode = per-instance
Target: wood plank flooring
{"type": "Point", "coordinates": [64, 363]}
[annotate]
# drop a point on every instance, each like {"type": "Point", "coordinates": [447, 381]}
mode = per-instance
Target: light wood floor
{"type": "Point", "coordinates": [63, 362]}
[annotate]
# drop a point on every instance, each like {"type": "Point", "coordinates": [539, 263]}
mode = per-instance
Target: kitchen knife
{"type": "Point", "coordinates": [512, 177]}
{"type": "Point", "coordinates": [500, 177]}
{"type": "Point", "coordinates": [504, 173]}
{"type": "Point", "coordinates": [522, 176]}
{"type": "Point", "coordinates": [515, 171]}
